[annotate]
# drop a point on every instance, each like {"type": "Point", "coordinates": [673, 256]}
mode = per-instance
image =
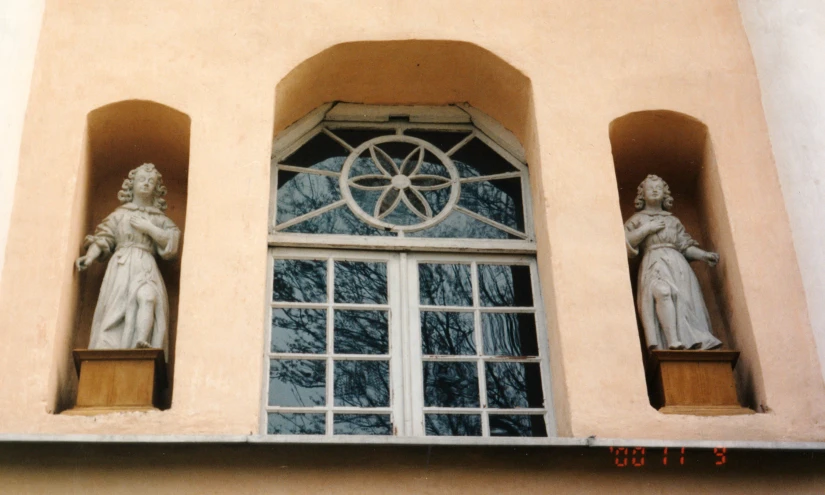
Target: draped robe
{"type": "Point", "coordinates": [663, 261]}
{"type": "Point", "coordinates": [131, 266]}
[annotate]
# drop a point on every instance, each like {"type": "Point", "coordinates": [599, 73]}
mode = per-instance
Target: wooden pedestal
{"type": "Point", "coordinates": [118, 380]}
{"type": "Point", "coordinates": [700, 383]}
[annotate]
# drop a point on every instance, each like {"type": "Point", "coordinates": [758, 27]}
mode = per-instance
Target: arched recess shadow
{"type": "Point", "coordinates": [678, 148]}
{"type": "Point", "coordinates": [434, 72]}
{"type": "Point", "coordinates": [119, 137]}
{"type": "Point", "coordinates": [408, 72]}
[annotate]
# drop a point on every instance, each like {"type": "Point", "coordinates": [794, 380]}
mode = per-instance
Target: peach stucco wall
{"type": "Point", "coordinates": [588, 62]}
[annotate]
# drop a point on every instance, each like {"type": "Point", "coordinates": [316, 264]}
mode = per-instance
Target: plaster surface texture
{"type": "Point", "coordinates": [19, 29]}
{"type": "Point", "coordinates": [575, 68]}
{"type": "Point", "coordinates": [788, 40]}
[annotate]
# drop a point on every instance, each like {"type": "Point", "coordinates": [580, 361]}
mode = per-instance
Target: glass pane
{"type": "Point", "coordinates": [444, 140]}
{"type": "Point", "coordinates": [450, 384]}
{"type": "Point", "coordinates": [509, 334]}
{"type": "Point", "coordinates": [517, 426]}
{"type": "Point", "coordinates": [514, 385]}
{"type": "Point", "coordinates": [505, 285]}
{"type": "Point", "coordinates": [459, 225]}
{"type": "Point", "coordinates": [447, 333]}
{"type": "Point", "coordinates": [357, 282]}
{"type": "Point", "coordinates": [476, 159]}
{"type": "Point", "coordinates": [336, 221]}
{"type": "Point", "coordinates": [498, 200]}
{"type": "Point", "coordinates": [321, 148]}
{"type": "Point", "coordinates": [295, 424]}
{"type": "Point", "coordinates": [362, 383]}
{"type": "Point", "coordinates": [437, 199]}
{"type": "Point", "coordinates": [366, 199]}
{"type": "Point", "coordinates": [462, 425]}
{"type": "Point", "coordinates": [445, 285]}
{"type": "Point", "coordinates": [301, 331]}
{"type": "Point", "coordinates": [361, 332]}
{"type": "Point", "coordinates": [363, 165]}
{"type": "Point", "coordinates": [402, 215]}
{"type": "Point", "coordinates": [362, 424]}
{"type": "Point", "coordinates": [295, 382]}
{"type": "Point", "coordinates": [299, 194]}
{"type": "Point", "coordinates": [433, 166]}
{"type": "Point", "coordinates": [300, 281]}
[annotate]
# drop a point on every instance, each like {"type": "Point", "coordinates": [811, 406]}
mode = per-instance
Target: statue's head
{"type": "Point", "coordinates": [145, 174]}
{"type": "Point", "coordinates": [653, 185]}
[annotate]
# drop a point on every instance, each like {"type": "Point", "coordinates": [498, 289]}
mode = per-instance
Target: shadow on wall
{"type": "Point", "coordinates": [678, 148]}
{"type": "Point", "coordinates": [120, 137]}
{"type": "Point", "coordinates": [408, 72]}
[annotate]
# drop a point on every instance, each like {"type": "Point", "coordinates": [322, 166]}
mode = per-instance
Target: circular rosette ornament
{"type": "Point", "coordinates": [399, 183]}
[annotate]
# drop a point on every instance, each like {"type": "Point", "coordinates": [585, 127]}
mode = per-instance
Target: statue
{"type": "Point", "coordinates": [668, 296]}
{"type": "Point", "coordinates": [133, 309]}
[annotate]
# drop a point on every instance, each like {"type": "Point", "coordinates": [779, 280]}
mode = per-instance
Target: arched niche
{"type": "Point", "coordinates": [431, 73]}
{"type": "Point", "coordinates": [678, 148]}
{"type": "Point", "coordinates": [408, 72]}
{"type": "Point", "coordinates": [119, 137]}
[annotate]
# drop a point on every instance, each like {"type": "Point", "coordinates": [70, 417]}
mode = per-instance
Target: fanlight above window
{"type": "Point", "coordinates": [399, 179]}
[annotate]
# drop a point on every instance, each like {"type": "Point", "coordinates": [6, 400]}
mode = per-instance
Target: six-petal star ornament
{"type": "Point", "coordinates": [399, 184]}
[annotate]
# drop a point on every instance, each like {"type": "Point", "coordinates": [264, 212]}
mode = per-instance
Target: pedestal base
{"type": "Point", "coordinates": [118, 380]}
{"type": "Point", "coordinates": [699, 383]}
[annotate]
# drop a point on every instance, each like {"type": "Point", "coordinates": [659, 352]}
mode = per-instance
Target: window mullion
{"type": "Point", "coordinates": [330, 391]}
{"type": "Point", "coordinates": [398, 343]}
{"type": "Point", "coordinates": [479, 341]}
{"type": "Point", "coordinates": [414, 367]}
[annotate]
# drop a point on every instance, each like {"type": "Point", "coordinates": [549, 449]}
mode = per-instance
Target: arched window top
{"type": "Point", "coordinates": [407, 176]}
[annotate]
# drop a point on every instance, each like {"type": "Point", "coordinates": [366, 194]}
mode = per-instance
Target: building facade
{"type": "Point", "coordinates": [575, 102]}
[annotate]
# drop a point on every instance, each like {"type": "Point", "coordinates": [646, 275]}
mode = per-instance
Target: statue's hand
{"type": "Point", "coordinates": [82, 263]}
{"type": "Point", "coordinates": [142, 225]}
{"type": "Point", "coordinates": [656, 225]}
{"type": "Point", "coordinates": [712, 258]}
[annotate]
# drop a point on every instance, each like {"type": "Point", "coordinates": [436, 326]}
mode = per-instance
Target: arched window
{"type": "Point", "coordinates": [405, 297]}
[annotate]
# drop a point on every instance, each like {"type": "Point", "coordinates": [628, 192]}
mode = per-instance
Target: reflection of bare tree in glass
{"type": "Point", "coordinates": [450, 384]}
{"type": "Point", "coordinates": [453, 425]}
{"type": "Point", "coordinates": [445, 285]}
{"type": "Point", "coordinates": [300, 281]}
{"type": "Point", "coordinates": [360, 283]}
{"type": "Point", "coordinates": [296, 424]}
{"type": "Point", "coordinates": [361, 332]}
{"type": "Point", "coordinates": [447, 333]}
{"type": "Point", "coordinates": [495, 200]}
{"type": "Point", "coordinates": [509, 334]}
{"type": "Point", "coordinates": [363, 424]}
{"type": "Point", "coordinates": [505, 285]}
{"type": "Point", "coordinates": [299, 194]}
{"type": "Point", "coordinates": [362, 383]}
{"type": "Point", "coordinates": [301, 331]}
{"type": "Point", "coordinates": [495, 285]}
{"type": "Point", "coordinates": [513, 385]}
{"type": "Point", "coordinates": [302, 379]}
{"type": "Point", "coordinates": [517, 426]}
{"type": "Point", "coordinates": [501, 334]}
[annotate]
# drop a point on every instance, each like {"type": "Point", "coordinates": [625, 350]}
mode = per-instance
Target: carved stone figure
{"type": "Point", "coordinates": [133, 309]}
{"type": "Point", "coordinates": [668, 296]}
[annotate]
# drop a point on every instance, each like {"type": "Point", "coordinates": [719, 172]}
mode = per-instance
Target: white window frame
{"type": "Point", "coordinates": [407, 406]}
{"type": "Point", "coordinates": [401, 254]}
{"type": "Point", "coordinates": [450, 118]}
